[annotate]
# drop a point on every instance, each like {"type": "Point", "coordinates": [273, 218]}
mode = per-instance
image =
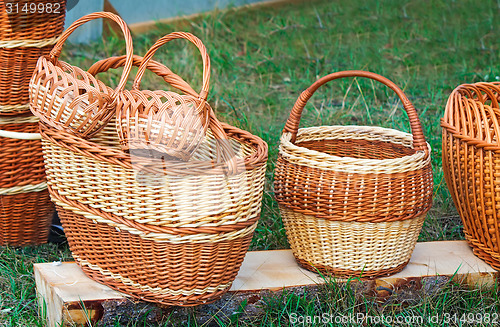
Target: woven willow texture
{"type": "Point", "coordinates": [363, 249]}
{"type": "Point", "coordinates": [354, 176]}
{"type": "Point", "coordinates": [170, 232]}
{"type": "Point", "coordinates": [69, 98]}
{"type": "Point", "coordinates": [25, 207]}
{"type": "Point", "coordinates": [160, 120]}
{"type": "Point", "coordinates": [24, 36]}
{"type": "Point", "coordinates": [471, 164]}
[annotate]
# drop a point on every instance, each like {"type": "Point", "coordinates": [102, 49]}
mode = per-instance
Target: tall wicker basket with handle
{"type": "Point", "coordinates": [28, 29]}
{"type": "Point", "coordinates": [353, 198]}
{"type": "Point", "coordinates": [471, 164]}
{"type": "Point", "coordinates": [25, 207]}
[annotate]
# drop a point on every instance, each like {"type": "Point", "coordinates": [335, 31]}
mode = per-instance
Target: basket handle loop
{"type": "Point", "coordinates": [159, 69]}
{"type": "Point", "coordinates": [167, 38]}
{"type": "Point", "coordinates": [292, 124]}
{"type": "Point", "coordinates": [224, 151]}
{"type": "Point", "coordinates": [56, 50]}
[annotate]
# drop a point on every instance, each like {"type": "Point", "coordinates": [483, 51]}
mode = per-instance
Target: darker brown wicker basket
{"type": "Point", "coordinates": [24, 37]}
{"type": "Point", "coordinates": [471, 164]}
{"type": "Point", "coordinates": [25, 206]}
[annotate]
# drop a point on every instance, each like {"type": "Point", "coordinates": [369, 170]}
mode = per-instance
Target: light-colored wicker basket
{"type": "Point", "coordinates": [353, 198]}
{"type": "Point", "coordinates": [25, 207]}
{"type": "Point", "coordinates": [471, 164]}
{"type": "Point", "coordinates": [69, 98]}
{"type": "Point", "coordinates": [171, 232]}
{"type": "Point", "coordinates": [160, 120]}
{"type": "Point", "coordinates": [24, 37]}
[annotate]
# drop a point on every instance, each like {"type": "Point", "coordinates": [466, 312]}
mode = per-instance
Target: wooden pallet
{"type": "Point", "coordinates": [68, 296]}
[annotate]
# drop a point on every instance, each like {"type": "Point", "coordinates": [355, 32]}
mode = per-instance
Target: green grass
{"type": "Point", "coordinates": [262, 59]}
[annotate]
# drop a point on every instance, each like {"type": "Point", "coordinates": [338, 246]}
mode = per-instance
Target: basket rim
{"type": "Point", "coordinates": [321, 160]}
{"type": "Point", "coordinates": [116, 156]}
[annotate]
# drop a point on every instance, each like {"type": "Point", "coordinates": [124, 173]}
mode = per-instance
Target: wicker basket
{"type": "Point", "coordinates": [471, 164]}
{"type": "Point", "coordinates": [69, 98]}
{"type": "Point", "coordinates": [25, 207]}
{"type": "Point", "coordinates": [171, 232]}
{"type": "Point", "coordinates": [160, 120]}
{"type": "Point", "coordinates": [353, 198]}
{"type": "Point", "coordinates": [24, 37]}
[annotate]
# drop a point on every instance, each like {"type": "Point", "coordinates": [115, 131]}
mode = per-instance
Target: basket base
{"type": "Point", "coordinates": [184, 274]}
{"type": "Point", "coordinates": [363, 275]}
{"type": "Point", "coordinates": [25, 218]}
{"type": "Point", "coordinates": [483, 252]}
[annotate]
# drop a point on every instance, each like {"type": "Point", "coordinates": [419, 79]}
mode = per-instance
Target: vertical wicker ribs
{"type": "Point", "coordinates": [353, 198]}
{"type": "Point", "coordinates": [471, 164]}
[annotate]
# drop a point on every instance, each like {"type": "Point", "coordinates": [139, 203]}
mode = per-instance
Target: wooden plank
{"type": "Point", "coordinates": [64, 289]}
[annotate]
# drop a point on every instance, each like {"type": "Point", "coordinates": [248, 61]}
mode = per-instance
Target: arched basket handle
{"type": "Point", "coordinates": [56, 50]}
{"type": "Point", "coordinates": [292, 124]}
{"type": "Point", "coordinates": [164, 40]}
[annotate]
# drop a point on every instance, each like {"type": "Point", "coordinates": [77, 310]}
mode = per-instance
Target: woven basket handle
{"type": "Point", "coordinates": [292, 124]}
{"type": "Point", "coordinates": [167, 38]}
{"type": "Point", "coordinates": [56, 51]}
{"type": "Point", "coordinates": [157, 68]}
{"type": "Point", "coordinates": [224, 151]}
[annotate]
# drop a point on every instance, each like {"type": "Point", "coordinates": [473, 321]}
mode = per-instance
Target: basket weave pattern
{"type": "Point", "coordinates": [164, 121]}
{"type": "Point", "coordinates": [69, 98]}
{"type": "Point", "coordinates": [25, 206]}
{"type": "Point", "coordinates": [344, 249]}
{"type": "Point", "coordinates": [471, 164]}
{"type": "Point", "coordinates": [178, 240]}
{"type": "Point", "coordinates": [353, 198]}
{"type": "Point", "coordinates": [24, 37]}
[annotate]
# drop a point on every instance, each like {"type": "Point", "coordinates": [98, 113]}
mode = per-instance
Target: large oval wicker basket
{"type": "Point", "coordinates": [353, 198]}
{"type": "Point", "coordinates": [25, 206]}
{"type": "Point", "coordinates": [28, 29]}
{"type": "Point", "coordinates": [172, 232]}
{"type": "Point", "coordinates": [471, 164]}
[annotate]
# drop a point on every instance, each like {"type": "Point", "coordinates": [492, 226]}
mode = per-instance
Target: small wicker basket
{"type": "Point", "coordinates": [25, 207]}
{"type": "Point", "coordinates": [24, 37]}
{"type": "Point", "coordinates": [69, 98]}
{"type": "Point", "coordinates": [160, 120]}
{"type": "Point", "coordinates": [471, 164]}
{"type": "Point", "coordinates": [353, 198]}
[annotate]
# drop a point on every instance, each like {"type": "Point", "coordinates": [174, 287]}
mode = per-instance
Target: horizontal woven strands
{"type": "Point", "coordinates": [354, 173]}
{"type": "Point", "coordinates": [25, 206]}
{"type": "Point", "coordinates": [376, 180]}
{"type": "Point", "coordinates": [344, 248]}
{"type": "Point", "coordinates": [171, 232]}
{"type": "Point", "coordinates": [471, 164]}
{"type": "Point", "coordinates": [25, 35]}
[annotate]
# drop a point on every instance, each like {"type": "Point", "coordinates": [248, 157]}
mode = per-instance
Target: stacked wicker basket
{"type": "Point", "coordinates": [27, 31]}
{"type": "Point", "coordinates": [158, 199]}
